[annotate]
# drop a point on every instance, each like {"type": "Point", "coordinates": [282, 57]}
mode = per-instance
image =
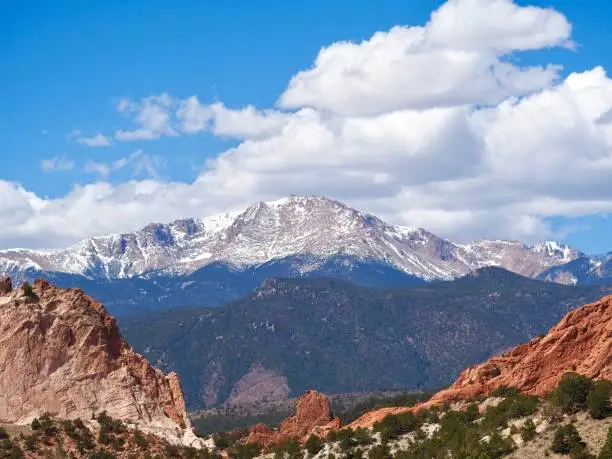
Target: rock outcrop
{"type": "Point", "coordinates": [581, 342]}
{"type": "Point", "coordinates": [312, 416]}
{"type": "Point", "coordinates": [62, 353]}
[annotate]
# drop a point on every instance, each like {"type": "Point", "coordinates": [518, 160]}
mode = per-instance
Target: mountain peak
{"type": "Point", "coordinates": [310, 225]}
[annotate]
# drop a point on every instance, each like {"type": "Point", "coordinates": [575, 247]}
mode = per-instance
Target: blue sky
{"type": "Point", "coordinates": [69, 65]}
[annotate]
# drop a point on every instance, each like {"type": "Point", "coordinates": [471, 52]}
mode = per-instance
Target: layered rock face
{"type": "Point", "coordinates": [312, 416]}
{"type": "Point", "coordinates": [581, 343]}
{"type": "Point", "coordinates": [61, 353]}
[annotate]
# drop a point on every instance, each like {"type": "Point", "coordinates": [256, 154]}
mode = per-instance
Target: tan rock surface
{"type": "Point", "coordinates": [61, 353]}
{"type": "Point", "coordinates": [312, 415]}
{"type": "Point", "coordinates": [581, 342]}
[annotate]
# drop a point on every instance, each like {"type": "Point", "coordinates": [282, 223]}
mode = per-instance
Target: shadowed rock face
{"type": "Point", "coordinates": [312, 415]}
{"type": "Point", "coordinates": [6, 286]}
{"type": "Point", "coordinates": [61, 353]}
{"type": "Point", "coordinates": [581, 343]}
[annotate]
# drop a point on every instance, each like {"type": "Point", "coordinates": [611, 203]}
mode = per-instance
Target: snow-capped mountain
{"type": "Point", "coordinates": [266, 231]}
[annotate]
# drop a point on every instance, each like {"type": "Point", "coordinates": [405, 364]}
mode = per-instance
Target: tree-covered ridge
{"type": "Point", "coordinates": [335, 337]}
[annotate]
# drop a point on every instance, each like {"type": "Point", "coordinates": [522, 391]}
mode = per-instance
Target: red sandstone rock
{"type": "Point", "coordinates": [313, 415]}
{"type": "Point", "coordinates": [581, 342]}
{"type": "Point", "coordinates": [62, 353]}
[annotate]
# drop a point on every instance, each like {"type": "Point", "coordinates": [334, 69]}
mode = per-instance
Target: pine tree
{"type": "Point", "coordinates": [598, 400]}
{"type": "Point", "coordinates": [566, 440]}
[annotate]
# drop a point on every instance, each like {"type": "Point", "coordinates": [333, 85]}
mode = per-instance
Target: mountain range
{"type": "Point", "coordinates": [213, 260]}
{"type": "Point", "coordinates": [290, 335]}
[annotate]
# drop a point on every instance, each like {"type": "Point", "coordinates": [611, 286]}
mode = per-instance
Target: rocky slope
{"type": "Point", "coordinates": [62, 354]}
{"type": "Point", "coordinates": [312, 415]}
{"type": "Point", "coordinates": [581, 342]}
{"type": "Point", "coordinates": [582, 270]}
{"type": "Point", "coordinates": [294, 334]}
{"type": "Point", "coordinates": [297, 225]}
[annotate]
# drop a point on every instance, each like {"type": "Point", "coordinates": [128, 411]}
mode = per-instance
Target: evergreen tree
{"type": "Point", "coordinates": [566, 440]}
{"type": "Point", "coordinates": [572, 392]}
{"type": "Point", "coordinates": [598, 400]}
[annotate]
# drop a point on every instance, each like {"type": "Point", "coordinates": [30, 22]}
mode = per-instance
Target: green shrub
{"type": "Point", "coordinates": [512, 407]}
{"type": "Point", "coordinates": [528, 431]}
{"type": "Point", "coordinates": [362, 436]}
{"type": "Point", "coordinates": [598, 400]}
{"type": "Point", "coordinates": [248, 451]}
{"type": "Point", "coordinates": [35, 424]}
{"type": "Point", "coordinates": [380, 452]}
{"type": "Point", "coordinates": [505, 391]}
{"type": "Point", "coordinates": [27, 290]}
{"type": "Point", "coordinates": [221, 440]}
{"type": "Point", "coordinates": [472, 412]}
{"type": "Point", "coordinates": [394, 425]}
{"type": "Point", "coordinates": [572, 392]}
{"type": "Point", "coordinates": [288, 449]}
{"type": "Point", "coordinates": [314, 444]}
{"type": "Point", "coordinates": [140, 440]}
{"type": "Point", "coordinates": [498, 446]}
{"type": "Point", "coordinates": [339, 435]}
{"type": "Point", "coordinates": [566, 440]}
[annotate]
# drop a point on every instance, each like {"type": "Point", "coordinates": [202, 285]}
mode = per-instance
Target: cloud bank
{"type": "Point", "coordinates": [437, 126]}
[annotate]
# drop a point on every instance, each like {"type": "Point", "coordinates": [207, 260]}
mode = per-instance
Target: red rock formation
{"type": "Point", "coordinates": [62, 353]}
{"type": "Point", "coordinates": [581, 342]}
{"type": "Point", "coordinates": [313, 415]}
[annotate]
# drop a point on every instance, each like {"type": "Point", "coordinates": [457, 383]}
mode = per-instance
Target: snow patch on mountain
{"type": "Point", "coordinates": [295, 225]}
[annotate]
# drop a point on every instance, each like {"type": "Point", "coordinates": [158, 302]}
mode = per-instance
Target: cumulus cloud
{"type": "Point", "coordinates": [430, 126]}
{"type": "Point", "coordinates": [456, 58]}
{"type": "Point", "coordinates": [58, 163]}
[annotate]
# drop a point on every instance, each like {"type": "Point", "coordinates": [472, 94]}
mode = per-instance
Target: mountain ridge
{"type": "Point", "coordinates": [581, 342]}
{"type": "Point", "coordinates": [266, 231]}
{"type": "Point", "coordinates": [333, 336]}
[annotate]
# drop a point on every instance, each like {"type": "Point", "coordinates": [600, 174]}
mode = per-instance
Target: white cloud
{"type": "Point", "coordinates": [193, 115]}
{"type": "Point", "coordinates": [141, 164]}
{"type": "Point", "coordinates": [98, 140]}
{"type": "Point", "coordinates": [394, 125]}
{"type": "Point", "coordinates": [456, 58]}
{"type": "Point", "coordinates": [498, 25]}
{"type": "Point", "coordinates": [93, 167]}
{"type": "Point", "coordinates": [151, 114]}
{"type": "Point", "coordinates": [247, 122]}
{"type": "Point", "coordinates": [58, 163]}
